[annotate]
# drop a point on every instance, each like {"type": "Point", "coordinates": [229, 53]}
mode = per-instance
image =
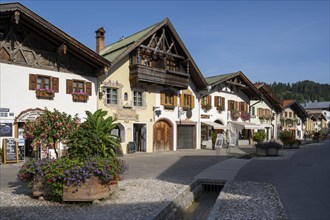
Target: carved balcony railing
{"type": "Point", "coordinates": [142, 73]}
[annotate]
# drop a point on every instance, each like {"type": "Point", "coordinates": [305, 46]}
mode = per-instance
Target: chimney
{"type": "Point", "coordinates": [99, 39]}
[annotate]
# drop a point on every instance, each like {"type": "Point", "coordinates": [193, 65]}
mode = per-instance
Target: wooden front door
{"type": "Point", "coordinates": [162, 136]}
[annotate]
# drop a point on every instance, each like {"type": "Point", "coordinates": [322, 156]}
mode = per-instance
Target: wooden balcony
{"type": "Point", "coordinates": [142, 73]}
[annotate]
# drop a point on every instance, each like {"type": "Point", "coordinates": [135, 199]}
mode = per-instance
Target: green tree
{"type": "Point", "coordinates": [49, 128]}
{"type": "Point", "coordinates": [93, 137]}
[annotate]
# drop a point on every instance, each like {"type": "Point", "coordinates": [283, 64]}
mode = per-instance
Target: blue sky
{"type": "Point", "coordinates": [282, 41]}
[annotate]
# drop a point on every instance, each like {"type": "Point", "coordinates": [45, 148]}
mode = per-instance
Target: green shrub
{"type": "Point", "coordinates": [286, 137]}
{"type": "Point", "coordinates": [259, 136]}
{"type": "Point", "coordinates": [93, 137]}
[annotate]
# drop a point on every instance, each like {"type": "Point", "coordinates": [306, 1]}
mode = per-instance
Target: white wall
{"type": "Point", "coordinates": [173, 114]}
{"type": "Point", "coordinates": [16, 96]}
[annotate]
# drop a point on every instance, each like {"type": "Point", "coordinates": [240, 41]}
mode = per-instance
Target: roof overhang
{"type": "Point", "coordinates": [245, 85]}
{"type": "Point", "coordinates": [55, 35]}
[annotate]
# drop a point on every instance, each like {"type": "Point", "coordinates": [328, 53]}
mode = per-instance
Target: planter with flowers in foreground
{"type": "Point", "coordinates": [89, 170]}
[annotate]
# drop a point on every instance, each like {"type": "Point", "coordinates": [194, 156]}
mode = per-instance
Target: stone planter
{"type": "Point", "coordinates": [272, 152]}
{"type": "Point", "coordinates": [261, 151]}
{"type": "Point", "coordinates": [91, 190]}
{"type": "Point", "coordinates": [267, 152]}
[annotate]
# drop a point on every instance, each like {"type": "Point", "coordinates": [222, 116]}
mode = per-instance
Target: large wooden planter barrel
{"type": "Point", "coordinates": [90, 190]}
{"type": "Point", "coordinates": [38, 188]}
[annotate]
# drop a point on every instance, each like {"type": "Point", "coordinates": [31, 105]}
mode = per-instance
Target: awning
{"type": "Point", "coordinates": [266, 126]}
{"type": "Point", "coordinates": [246, 125]}
{"type": "Point", "coordinates": [238, 126]}
{"type": "Point", "coordinates": [214, 125]}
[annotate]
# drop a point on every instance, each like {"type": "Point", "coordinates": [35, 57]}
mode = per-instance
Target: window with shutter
{"type": "Point", "coordinates": [223, 102]}
{"type": "Point", "coordinates": [216, 101]}
{"type": "Point", "coordinates": [231, 105]}
{"type": "Point", "coordinates": [32, 82]}
{"type": "Point", "coordinates": [206, 101]}
{"type": "Point", "coordinates": [242, 106]}
{"type": "Point", "coordinates": [69, 86]}
{"type": "Point", "coordinates": [167, 98]}
{"type": "Point", "coordinates": [55, 84]}
{"type": "Point", "coordinates": [88, 86]}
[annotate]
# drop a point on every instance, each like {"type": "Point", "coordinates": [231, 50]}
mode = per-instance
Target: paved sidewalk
{"type": "Point", "coordinates": [223, 171]}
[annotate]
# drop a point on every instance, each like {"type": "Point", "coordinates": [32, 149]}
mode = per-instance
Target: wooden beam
{"type": "Point", "coordinates": [171, 54]}
{"type": "Point", "coordinates": [15, 18]}
{"type": "Point", "coordinates": [236, 84]}
{"type": "Point", "coordinates": [62, 49]}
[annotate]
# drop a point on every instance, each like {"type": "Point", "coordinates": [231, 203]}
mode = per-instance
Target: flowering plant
{"type": "Point", "coordinates": [245, 116]}
{"type": "Point", "coordinates": [71, 172]}
{"type": "Point", "coordinates": [50, 127]}
{"type": "Point", "coordinates": [42, 90]}
{"type": "Point", "coordinates": [80, 93]}
{"type": "Point", "coordinates": [80, 96]}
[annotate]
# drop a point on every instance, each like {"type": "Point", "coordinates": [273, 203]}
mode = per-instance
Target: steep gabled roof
{"type": "Point", "coordinates": [317, 116]}
{"type": "Point", "coordinates": [112, 51]}
{"type": "Point", "coordinates": [296, 107]}
{"type": "Point", "coordinates": [54, 34]}
{"type": "Point", "coordinates": [118, 50]}
{"type": "Point", "coordinates": [317, 105]}
{"type": "Point", "coordinates": [269, 95]}
{"type": "Point", "coordinates": [250, 89]}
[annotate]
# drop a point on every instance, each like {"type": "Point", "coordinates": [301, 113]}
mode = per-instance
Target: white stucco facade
{"type": "Point", "coordinates": [15, 96]}
{"type": "Point", "coordinates": [178, 116]}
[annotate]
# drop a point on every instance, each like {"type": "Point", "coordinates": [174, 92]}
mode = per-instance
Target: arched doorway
{"type": "Point", "coordinates": [163, 136]}
{"type": "Point", "coordinates": [24, 145]}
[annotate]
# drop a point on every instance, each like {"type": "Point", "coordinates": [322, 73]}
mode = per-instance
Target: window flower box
{"type": "Point", "coordinates": [220, 108]}
{"type": "Point", "coordinates": [45, 93]}
{"type": "Point", "coordinates": [206, 107]}
{"type": "Point", "coordinates": [235, 115]}
{"type": "Point", "coordinates": [79, 97]}
{"type": "Point", "coordinates": [245, 116]}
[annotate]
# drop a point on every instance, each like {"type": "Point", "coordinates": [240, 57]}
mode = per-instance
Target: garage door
{"type": "Point", "coordinates": [185, 137]}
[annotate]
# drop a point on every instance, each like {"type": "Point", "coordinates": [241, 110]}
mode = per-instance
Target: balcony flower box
{"type": "Point", "coordinates": [79, 97]}
{"type": "Point", "coordinates": [45, 93]}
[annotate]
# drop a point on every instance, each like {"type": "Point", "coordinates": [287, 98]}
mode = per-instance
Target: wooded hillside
{"type": "Point", "coordinates": [302, 91]}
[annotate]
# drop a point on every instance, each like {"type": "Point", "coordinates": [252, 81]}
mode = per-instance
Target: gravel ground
{"type": "Point", "coordinates": [134, 199]}
{"type": "Point", "coordinates": [142, 199]}
{"type": "Point", "coordinates": [248, 200]}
